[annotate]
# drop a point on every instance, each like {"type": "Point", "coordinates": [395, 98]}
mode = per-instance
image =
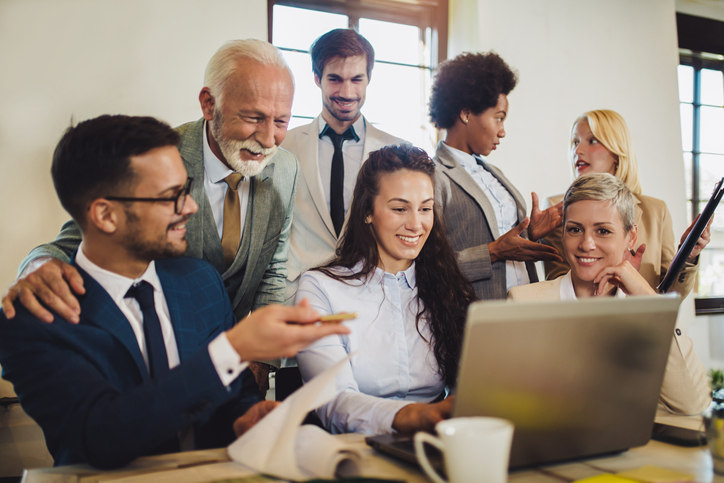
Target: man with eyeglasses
{"type": "Point", "coordinates": [244, 187]}
{"type": "Point", "coordinates": [157, 361]}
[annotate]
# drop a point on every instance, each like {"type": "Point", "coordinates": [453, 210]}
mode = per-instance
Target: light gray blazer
{"type": "Point", "coordinates": [313, 239]}
{"type": "Point", "coordinates": [471, 224]}
{"type": "Point", "coordinates": [256, 277]}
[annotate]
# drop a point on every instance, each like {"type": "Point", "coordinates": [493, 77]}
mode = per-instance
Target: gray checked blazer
{"type": "Point", "coordinates": [471, 224]}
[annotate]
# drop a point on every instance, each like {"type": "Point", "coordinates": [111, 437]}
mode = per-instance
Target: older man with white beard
{"type": "Point", "coordinates": [244, 186]}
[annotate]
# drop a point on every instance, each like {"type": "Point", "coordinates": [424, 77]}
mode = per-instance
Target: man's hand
{"type": "Point", "coordinates": [512, 246]}
{"type": "Point", "coordinates": [422, 417]}
{"type": "Point", "coordinates": [702, 242]}
{"type": "Point", "coordinates": [544, 222]}
{"type": "Point", "coordinates": [278, 331]}
{"type": "Point", "coordinates": [623, 276]}
{"type": "Point", "coordinates": [252, 416]}
{"type": "Point", "coordinates": [635, 257]}
{"type": "Point", "coordinates": [53, 284]}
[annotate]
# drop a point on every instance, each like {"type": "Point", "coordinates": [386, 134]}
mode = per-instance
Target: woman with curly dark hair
{"type": "Point", "coordinates": [485, 215]}
{"type": "Point", "coordinates": [396, 270]}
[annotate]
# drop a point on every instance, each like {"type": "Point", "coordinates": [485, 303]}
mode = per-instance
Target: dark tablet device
{"type": "Point", "coordinates": [685, 250]}
{"type": "Point", "coordinates": [678, 436]}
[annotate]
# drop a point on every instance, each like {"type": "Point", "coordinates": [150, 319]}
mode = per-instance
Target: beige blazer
{"type": "Point", "coordinates": [655, 230]}
{"type": "Point", "coordinates": [685, 389]}
{"type": "Point", "coordinates": [313, 239]}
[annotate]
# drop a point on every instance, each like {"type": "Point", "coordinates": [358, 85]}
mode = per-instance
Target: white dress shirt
{"type": "Point", "coordinates": [504, 205]}
{"type": "Point", "coordinates": [214, 173]}
{"type": "Point", "coordinates": [569, 293]}
{"type": "Point", "coordinates": [394, 364]}
{"type": "Point", "coordinates": [225, 359]}
{"type": "Point", "coordinates": [352, 153]}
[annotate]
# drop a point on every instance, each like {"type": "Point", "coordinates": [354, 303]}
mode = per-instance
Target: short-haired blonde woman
{"type": "Point", "coordinates": [601, 143]}
{"type": "Point", "coordinates": [598, 232]}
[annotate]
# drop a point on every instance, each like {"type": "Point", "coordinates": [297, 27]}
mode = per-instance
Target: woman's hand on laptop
{"type": "Point", "coordinates": [422, 416]}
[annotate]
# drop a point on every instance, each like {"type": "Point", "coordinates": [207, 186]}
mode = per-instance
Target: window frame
{"type": "Point", "coordinates": [697, 60]}
{"type": "Point", "coordinates": [423, 14]}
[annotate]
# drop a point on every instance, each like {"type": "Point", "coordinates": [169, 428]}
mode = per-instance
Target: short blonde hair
{"type": "Point", "coordinates": [610, 129]}
{"type": "Point", "coordinates": [602, 187]}
{"type": "Point", "coordinates": [224, 62]}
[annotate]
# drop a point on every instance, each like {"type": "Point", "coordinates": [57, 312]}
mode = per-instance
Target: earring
{"type": "Point", "coordinates": [465, 121]}
{"type": "Point", "coordinates": [368, 220]}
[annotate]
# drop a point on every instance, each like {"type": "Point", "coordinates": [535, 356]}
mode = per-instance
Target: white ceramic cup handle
{"type": "Point", "coordinates": [420, 439]}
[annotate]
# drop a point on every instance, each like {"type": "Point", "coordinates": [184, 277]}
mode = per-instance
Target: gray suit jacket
{"type": "Point", "coordinates": [313, 239]}
{"type": "Point", "coordinates": [471, 224]}
{"type": "Point", "coordinates": [256, 277]}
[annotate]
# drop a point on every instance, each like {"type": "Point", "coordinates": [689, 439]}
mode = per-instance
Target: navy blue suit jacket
{"type": "Point", "coordinates": [87, 385]}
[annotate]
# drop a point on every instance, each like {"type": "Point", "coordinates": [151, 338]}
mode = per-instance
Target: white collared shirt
{"type": "Point", "coordinates": [214, 173]}
{"type": "Point", "coordinates": [352, 152]}
{"type": "Point", "coordinates": [225, 359]}
{"type": "Point", "coordinates": [504, 205]}
{"type": "Point", "coordinates": [569, 293]}
{"type": "Point", "coordinates": [394, 364]}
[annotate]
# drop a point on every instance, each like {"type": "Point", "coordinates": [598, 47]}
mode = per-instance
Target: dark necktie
{"type": "Point", "coordinates": [155, 347]}
{"type": "Point", "coordinates": [336, 182]}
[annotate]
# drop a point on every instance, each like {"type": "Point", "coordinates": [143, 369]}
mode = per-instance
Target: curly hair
{"type": "Point", "coordinates": [469, 81]}
{"type": "Point", "coordinates": [442, 289]}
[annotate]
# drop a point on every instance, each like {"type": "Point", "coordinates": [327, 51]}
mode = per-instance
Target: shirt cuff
{"type": "Point", "coordinates": [226, 361]}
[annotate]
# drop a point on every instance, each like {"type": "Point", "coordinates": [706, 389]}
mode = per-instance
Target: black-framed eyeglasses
{"type": "Point", "coordinates": [179, 200]}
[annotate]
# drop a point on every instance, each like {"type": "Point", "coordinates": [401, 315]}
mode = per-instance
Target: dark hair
{"type": "Point", "coordinates": [469, 81]}
{"type": "Point", "coordinates": [92, 159]}
{"type": "Point", "coordinates": [340, 43]}
{"type": "Point", "coordinates": [442, 289]}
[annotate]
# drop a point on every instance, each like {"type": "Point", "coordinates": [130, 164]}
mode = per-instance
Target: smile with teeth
{"type": "Point", "coordinates": [409, 239]}
{"type": "Point", "coordinates": [587, 259]}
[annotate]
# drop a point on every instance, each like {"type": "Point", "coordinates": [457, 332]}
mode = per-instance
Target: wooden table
{"type": "Point", "coordinates": [210, 465]}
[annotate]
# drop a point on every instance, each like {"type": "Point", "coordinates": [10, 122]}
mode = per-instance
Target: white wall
{"type": "Point", "coordinates": [77, 59]}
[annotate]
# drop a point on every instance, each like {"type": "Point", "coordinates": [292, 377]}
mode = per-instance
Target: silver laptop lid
{"type": "Point", "coordinates": [576, 378]}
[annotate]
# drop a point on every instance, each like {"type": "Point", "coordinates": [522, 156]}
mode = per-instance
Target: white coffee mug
{"type": "Point", "coordinates": [474, 449]}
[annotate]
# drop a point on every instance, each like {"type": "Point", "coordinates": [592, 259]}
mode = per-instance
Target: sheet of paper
{"type": "Point", "coordinates": [270, 445]}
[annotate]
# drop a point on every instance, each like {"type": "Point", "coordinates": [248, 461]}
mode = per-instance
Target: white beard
{"type": "Point", "coordinates": [231, 149]}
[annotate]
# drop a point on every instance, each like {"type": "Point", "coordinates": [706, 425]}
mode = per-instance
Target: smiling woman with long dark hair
{"type": "Point", "coordinates": [395, 268]}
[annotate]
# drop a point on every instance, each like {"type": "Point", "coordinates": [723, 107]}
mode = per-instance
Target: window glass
{"type": "Point", "coordinates": [307, 101]}
{"type": "Point", "coordinates": [688, 173]}
{"type": "Point", "coordinates": [405, 48]}
{"type": "Point", "coordinates": [712, 87]}
{"type": "Point", "coordinates": [286, 31]}
{"type": "Point", "coordinates": [711, 170]}
{"type": "Point", "coordinates": [712, 130]}
{"type": "Point", "coordinates": [711, 270]}
{"type": "Point", "coordinates": [687, 112]}
{"type": "Point", "coordinates": [686, 83]}
{"type": "Point", "coordinates": [397, 103]}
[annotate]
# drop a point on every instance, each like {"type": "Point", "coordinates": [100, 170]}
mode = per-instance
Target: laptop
{"type": "Point", "coordinates": [685, 249]}
{"type": "Point", "coordinates": [577, 379]}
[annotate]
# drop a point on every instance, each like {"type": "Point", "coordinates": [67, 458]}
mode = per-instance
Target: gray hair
{"type": "Point", "coordinates": [602, 187]}
{"type": "Point", "coordinates": [224, 62]}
